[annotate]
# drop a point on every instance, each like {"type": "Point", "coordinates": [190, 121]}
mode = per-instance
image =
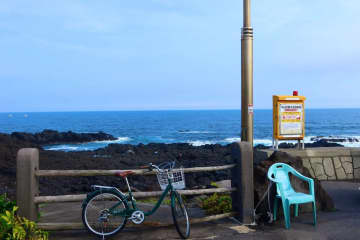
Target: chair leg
{"type": "Point", "coordinates": [296, 210]}
{"type": "Point", "coordinates": [276, 206]}
{"type": "Point", "coordinates": [286, 208]}
{"type": "Point", "coordinates": [314, 212]}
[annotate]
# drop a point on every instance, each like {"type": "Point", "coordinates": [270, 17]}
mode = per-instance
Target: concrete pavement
{"type": "Point", "coordinates": [342, 224]}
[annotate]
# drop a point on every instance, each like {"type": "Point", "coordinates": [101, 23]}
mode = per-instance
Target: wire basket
{"type": "Point", "coordinates": [176, 176]}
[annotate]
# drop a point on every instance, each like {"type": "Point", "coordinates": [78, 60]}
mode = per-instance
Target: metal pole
{"type": "Point", "coordinates": [247, 76]}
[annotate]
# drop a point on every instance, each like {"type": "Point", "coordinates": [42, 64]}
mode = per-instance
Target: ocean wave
{"type": "Point", "coordinates": [198, 143]}
{"type": "Point", "coordinates": [232, 139]}
{"type": "Point", "coordinates": [65, 148]}
{"type": "Point", "coordinates": [86, 146]}
{"type": "Point", "coordinates": [265, 142]}
{"type": "Point", "coordinates": [350, 144]}
{"type": "Point", "coordinates": [345, 140]}
{"type": "Point", "coordinates": [337, 139]}
{"type": "Point", "coordinates": [118, 140]}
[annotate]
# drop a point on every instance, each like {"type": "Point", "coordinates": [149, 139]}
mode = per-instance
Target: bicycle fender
{"type": "Point", "coordinates": [93, 193]}
{"type": "Point", "coordinates": [88, 197]}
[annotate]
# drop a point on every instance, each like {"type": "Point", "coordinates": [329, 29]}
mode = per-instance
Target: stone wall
{"type": "Point", "coordinates": [329, 163]}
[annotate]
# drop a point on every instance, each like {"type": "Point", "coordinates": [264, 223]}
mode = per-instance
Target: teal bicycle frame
{"type": "Point", "coordinates": [132, 208]}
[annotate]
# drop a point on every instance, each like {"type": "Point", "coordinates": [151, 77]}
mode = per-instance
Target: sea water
{"type": "Point", "coordinates": [196, 127]}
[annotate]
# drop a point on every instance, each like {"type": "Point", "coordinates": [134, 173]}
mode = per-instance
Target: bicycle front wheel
{"type": "Point", "coordinates": [180, 215]}
{"type": "Point", "coordinates": [98, 215]}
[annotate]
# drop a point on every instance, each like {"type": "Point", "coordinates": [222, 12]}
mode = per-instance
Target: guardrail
{"type": "Point", "coordinates": [28, 199]}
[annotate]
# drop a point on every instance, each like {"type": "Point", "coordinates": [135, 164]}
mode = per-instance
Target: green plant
{"type": "Point", "coordinates": [6, 204]}
{"type": "Point", "coordinates": [217, 204]}
{"type": "Point", "coordinates": [13, 227]}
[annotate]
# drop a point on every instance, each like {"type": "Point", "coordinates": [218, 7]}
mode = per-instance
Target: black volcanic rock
{"type": "Point", "coordinates": [323, 143]}
{"type": "Point", "coordinates": [318, 143]}
{"type": "Point", "coordinates": [125, 156]}
{"type": "Point", "coordinates": [286, 145]}
{"type": "Point", "coordinates": [54, 137]}
{"type": "Point", "coordinates": [336, 139]}
{"type": "Point", "coordinates": [8, 149]}
{"type": "Point", "coordinates": [261, 146]}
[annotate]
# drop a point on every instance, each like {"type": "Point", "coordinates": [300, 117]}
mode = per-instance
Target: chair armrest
{"type": "Point", "coordinates": [307, 179]}
{"type": "Point", "coordinates": [269, 175]}
{"type": "Point", "coordinates": [299, 175]}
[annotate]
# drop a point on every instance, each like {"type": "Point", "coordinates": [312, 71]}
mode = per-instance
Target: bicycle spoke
{"type": "Point", "coordinates": [94, 207]}
{"type": "Point", "coordinates": [98, 218]}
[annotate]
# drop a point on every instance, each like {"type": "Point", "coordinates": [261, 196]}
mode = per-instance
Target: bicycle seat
{"type": "Point", "coordinates": [124, 174]}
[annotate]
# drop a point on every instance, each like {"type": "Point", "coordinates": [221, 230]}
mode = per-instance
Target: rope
{"type": "Point", "coordinates": [269, 213]}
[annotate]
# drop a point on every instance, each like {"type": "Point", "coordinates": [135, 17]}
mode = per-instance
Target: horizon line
{"type": "Point", "coordinates": [155, 110]}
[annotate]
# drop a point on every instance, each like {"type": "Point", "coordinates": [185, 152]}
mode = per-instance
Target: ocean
{"type": "Point", "coordinates": [196, 127]}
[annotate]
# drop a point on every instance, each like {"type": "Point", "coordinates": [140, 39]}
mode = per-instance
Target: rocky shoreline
{"type": "Point", "coordinates": [124, 156]}
{"type": "Point", "coordinates": [47, 137]}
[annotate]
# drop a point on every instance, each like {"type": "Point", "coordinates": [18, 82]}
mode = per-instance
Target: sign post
{"type": "Point", "coordinates": [288, 119]}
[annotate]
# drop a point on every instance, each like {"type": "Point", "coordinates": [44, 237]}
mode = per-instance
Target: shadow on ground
{"type": "Point", "coordinates": [342, 224]}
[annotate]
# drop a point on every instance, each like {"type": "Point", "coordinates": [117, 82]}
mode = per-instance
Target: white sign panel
{"type": "Point", "coordinates": [291, 119]}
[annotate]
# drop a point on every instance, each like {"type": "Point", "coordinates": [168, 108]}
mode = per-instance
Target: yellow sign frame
{"type": "Point", "coordinates": [289, 112]}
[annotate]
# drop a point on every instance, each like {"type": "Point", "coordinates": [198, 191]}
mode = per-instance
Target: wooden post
{"type": "Point", "coordinates": [243, 180]}
{"type": "Point", "coordinates": [27, 186]}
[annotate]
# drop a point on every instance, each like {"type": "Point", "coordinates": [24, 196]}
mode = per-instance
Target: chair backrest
{"type": "Point", "coordinates": [279, 173]}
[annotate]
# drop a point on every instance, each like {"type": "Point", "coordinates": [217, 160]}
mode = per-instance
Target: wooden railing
{"type": "Point", "coordinates": [28, 199]}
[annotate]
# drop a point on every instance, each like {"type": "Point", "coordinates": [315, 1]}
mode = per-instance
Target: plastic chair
{"type": "Point", "coordinates": [279, 173]}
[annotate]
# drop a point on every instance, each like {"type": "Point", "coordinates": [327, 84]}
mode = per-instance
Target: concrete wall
{"type": "Point", "coordinates": [329, 163]}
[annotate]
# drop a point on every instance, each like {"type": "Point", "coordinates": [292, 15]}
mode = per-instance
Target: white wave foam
{"type": "Point", "coordinates": [118, 140]}
{"type": "Point", "coordinates": [345, 140]}
{"type": "Point", "coordinates": [307, 139]}
{"type": "Point", "coordinates": [232, 139]}
{"type": "Point", "coordinates": [63, 148]}
{"type": "Point", "coordinates": [86, 146]}
{"type": "Point", "coordinates": [123, 139]}
{"type": "Point", "coordinates": [350, 144]}
{"type": "Point", "coordinates": [198, 143]}
{"type": "Point", "coordinates": [265, 142]}
{"type": "Point", "coordinates": [339, 138]}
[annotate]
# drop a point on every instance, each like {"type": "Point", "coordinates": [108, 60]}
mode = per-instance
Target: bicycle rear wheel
{"type": "Point", "coordinates": [180, 215]}
{"type": "Point", "coordinates": [97, 217]}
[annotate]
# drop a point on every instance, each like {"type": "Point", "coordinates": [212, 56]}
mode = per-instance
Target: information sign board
{"type": "Point", "coordinates": [288, 118]}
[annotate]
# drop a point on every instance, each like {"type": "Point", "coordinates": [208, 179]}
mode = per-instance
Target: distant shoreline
{"type": "Point", "coordinates": [52, 138]}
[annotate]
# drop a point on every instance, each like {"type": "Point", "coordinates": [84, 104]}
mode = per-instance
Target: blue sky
{"type": "Point", "coordinates": [71, 55]}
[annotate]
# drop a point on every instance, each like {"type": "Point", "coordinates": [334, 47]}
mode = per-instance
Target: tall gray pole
{"type": "Point", "coordinates": [247, 76]}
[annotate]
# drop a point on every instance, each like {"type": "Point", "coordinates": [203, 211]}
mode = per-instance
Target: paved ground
{"type": "Point", "coordinates": [342, 224]}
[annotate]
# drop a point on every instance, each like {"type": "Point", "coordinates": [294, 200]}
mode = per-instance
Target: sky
{"type": "Point", "coordinates": [72, 55]}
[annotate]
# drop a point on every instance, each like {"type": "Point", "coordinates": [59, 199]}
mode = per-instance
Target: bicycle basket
{"type": "Point", "coordinates": [176, 176]}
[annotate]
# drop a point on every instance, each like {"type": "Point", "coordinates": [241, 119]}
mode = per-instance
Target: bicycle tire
{"type": "Point", "coordinates": [180, 215]}
{"type": "Point", "coordinates": [100, 201]}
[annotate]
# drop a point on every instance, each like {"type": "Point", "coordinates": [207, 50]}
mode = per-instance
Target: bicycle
{"type": "Point", "coordinates": [106, 210]}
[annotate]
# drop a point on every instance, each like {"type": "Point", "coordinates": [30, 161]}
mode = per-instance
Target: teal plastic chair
{"type": "Point", "coordinates": [279, 173]}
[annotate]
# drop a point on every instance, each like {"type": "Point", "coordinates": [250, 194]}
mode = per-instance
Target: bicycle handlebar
{"type": "Point", "coordinates": [166, 166]}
